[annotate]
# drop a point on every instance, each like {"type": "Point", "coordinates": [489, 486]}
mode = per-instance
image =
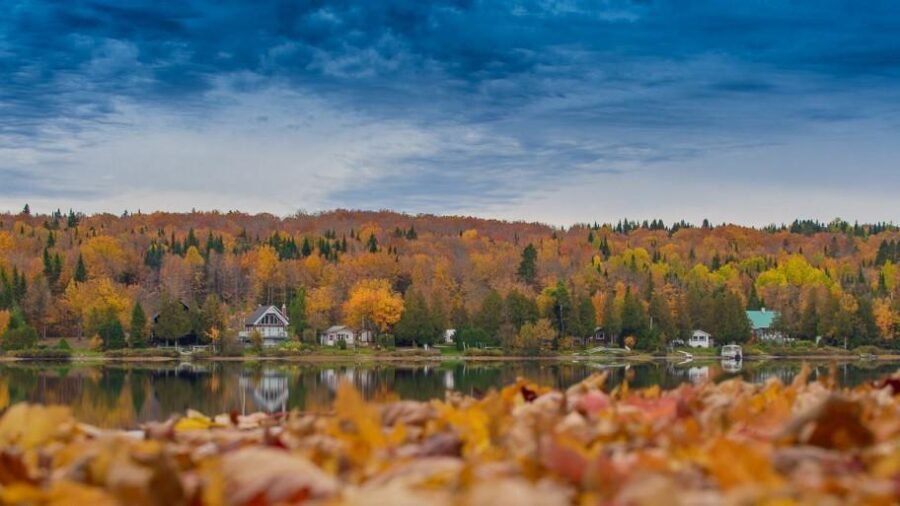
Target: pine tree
{"type": "Point", "coordinates": [373, 244]}
{"type": "Point", "coordinates": [415, 326]}
{"type": "Point", "coordinates": [297, 312]}
{"type": "Point", "coordinates": [138, 327]}
{"type": "Point", "coordinates": [490, 316]}
{"type": "Point", "coordinates": [111, 333]}
{"type": "Point", "coordinates": [81, 274]}
{"type": "Point", "coordinates": [634, 318]}
{"type": "Point", "coordinates": [527, 271]}
{"type": "Point", "coordinates": [520, 309]}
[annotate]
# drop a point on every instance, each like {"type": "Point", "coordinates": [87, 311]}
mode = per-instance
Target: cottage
{"type": "Point", "coordinates": [762, 324]}
{"type": "Point", "coordinates": [700, 339]}
{"type": "Point", "coordinates": [597, 338]}
{"type": "Point", "coordinates": [270, 322]}
{"type": "Point", "coordinates": [338, 333]}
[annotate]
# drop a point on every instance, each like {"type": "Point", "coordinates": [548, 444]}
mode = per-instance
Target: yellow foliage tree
{"type": "Point", "coordinates": [319, 304]}
{"type": "Point", "coordinates": [885, 318]}
{"type": "Point", "coordinates": [4, 320]}
{"type": "Point", "coordinates": [105, 256]}
{"type": "Point", "coordinates": [373, 300]}
{"type": "Point", "coordinates": [98, 297]}
{"type": "Point", "coordinates": [266, 272]}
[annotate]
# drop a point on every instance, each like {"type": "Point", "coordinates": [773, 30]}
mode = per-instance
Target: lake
{"type": "Point", "coordinates": [126, 394]}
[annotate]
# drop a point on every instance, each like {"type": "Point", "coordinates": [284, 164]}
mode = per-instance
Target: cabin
{"type": "Point", "coordinates": [762, 325]}
{"type": "Point", "coordinates": [598, 338]}
{"type": "Point", "coordinates": [271, 322]}
{"type": "Point", "coordinates": [334, 335]}
{"type": "Point", "coordinates": [700, 339]}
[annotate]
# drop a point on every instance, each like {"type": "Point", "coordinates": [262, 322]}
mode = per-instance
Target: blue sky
{"type": "Point", "coordinates": [557, 111]}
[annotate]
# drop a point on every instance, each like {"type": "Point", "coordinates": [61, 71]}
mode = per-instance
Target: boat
{"type": "Point", "coordinates": [732, 352]}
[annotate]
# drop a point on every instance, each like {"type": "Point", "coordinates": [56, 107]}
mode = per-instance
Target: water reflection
{"type": "Point", "coordinates": [125, 395]}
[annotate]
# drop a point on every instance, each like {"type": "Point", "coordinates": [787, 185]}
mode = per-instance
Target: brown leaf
{"type": "Point", "coordinates": [29, 426]}
{"type": "Point", "coordinates": [528, 395]}
{"type": "Point", "coordinates": [257, 475]}
{"type": "Point", "coordinates": [836, 422]}
{"type": "Point", "coordinates": [406, 412]}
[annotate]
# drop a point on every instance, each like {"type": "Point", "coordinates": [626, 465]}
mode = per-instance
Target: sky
{"type": "Point", "coordinates": [559, 111]}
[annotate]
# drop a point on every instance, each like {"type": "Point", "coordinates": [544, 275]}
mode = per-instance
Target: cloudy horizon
{"type": "Point", "coordinates": [552, 111]}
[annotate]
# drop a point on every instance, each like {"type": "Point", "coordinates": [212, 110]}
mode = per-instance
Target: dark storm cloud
{"type": "Point", "coordinates": [551, 76]}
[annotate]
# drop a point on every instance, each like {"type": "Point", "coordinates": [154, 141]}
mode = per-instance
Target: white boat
{"type": "Point", "coordinates": [732, 352]}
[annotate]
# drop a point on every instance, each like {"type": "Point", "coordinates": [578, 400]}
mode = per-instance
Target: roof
{"type": "Point", "coordinates": [702, 332]}
{"type": "Point", "coordinates": [259, 312]}
{"type": "Point", "coordinates": [336, 328]}
{"type": "Point", "coordinates": [762, 319]}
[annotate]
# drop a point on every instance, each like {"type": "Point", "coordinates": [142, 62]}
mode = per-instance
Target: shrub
{"type": "Point", "coordinates": [483, 352]}
{"type": "Point", "coordinates": [141, 353]}
{"type": "Point", "coordinates": [62, 344]}
{"type": "Point", "coordinates": [18, 334]}
{"type": "Point", "coordinates": [45, 354]}
{"type": "Point", "coordinates": [256, 338]}
{"type": "Point", "coordinates": [342, 344]}
{"type": "Point", "coordinates": [112, 334]}
{"type": "Point", "coordinates": [411, 352]}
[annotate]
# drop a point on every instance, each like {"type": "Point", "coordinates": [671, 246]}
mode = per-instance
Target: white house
{"type": "Point", "coordinates": [449, 334]}
{"type": "Point", "coordinates": [700, 339]}
{"type": "Point", "coordinates": [270, 322]}
{"type": "Point", "coordinates": [335, 334]}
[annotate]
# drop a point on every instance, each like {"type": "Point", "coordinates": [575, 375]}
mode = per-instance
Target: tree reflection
{"type": "Point", "coordinates": [125, 395]}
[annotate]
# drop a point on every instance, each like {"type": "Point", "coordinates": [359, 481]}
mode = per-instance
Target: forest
{"type": "Point", "coordinates": [517, 285]}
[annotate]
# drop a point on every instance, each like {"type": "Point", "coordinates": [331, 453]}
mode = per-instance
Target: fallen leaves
{"type": "Point", "coordinates": [727, 443]}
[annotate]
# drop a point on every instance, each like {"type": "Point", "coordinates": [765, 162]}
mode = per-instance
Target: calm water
{"type": "Point", "coordinates": [124, 395]}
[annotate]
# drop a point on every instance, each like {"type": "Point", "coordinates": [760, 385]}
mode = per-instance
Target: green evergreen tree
{"type": "Point", "coordinates": [138, 327]}
{"type": "Point", "coordinates": [297, 312]}
{"type": "Point", "coordinates": [19, 335]}
{"type": "Point", "coordinates": [111, 333]}
{"type": "Point", "coordinates": [415, 326]}
{"type": "Point", "coordinates": [634, 317]}
{"type": "Point", "coordinates": [663, 323]}
{"type": "Point", "coordinates": [81, 274]}
{"type": "Point", "coordinates": [439, 319]}
{"type": "Point", "coordinates": [809, 318]}
{"type": "Point", "coordinates": [527, 271]}
{"type": "Point", "coordinates": [734, 326]}
{"type": "Point", "coordinates": [174, 321]}
{"type": "Point", "coordinates": [520, 309]}
{"type": "Point", "coordinates": [585, 319]}
{"type": "Point", "coordinates": [490, 316]}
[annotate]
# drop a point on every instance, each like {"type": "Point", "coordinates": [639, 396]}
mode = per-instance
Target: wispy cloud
{"type": "Point", "coordinates": [431, 106]}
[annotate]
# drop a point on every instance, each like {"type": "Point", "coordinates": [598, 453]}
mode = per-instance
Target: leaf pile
{"type": "Point", "coordinates": [726, 443]}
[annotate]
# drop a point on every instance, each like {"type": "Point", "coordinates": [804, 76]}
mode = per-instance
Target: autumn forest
{"type": "Point", "coordinates": [520, 286]}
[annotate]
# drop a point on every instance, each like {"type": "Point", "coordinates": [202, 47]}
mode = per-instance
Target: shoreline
{"type": "Point", "coordinates": [370, 358]}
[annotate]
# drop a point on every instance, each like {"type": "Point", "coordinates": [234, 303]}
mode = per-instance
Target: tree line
{"type": "Point", "coordinates": [517, 285]}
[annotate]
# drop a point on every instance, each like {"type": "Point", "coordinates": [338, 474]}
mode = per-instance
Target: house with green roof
{"type": "Point", "coordinates": [762, 323]}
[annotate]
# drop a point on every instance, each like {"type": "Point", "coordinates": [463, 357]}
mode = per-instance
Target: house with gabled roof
{"type": "Point", "coordinates": [271, 323]}
{"type": "Point", "coordinates": [762, 325]}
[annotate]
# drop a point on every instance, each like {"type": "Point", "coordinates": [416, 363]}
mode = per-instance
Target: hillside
{"type": "Point", "coordinates": [68, 272]}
